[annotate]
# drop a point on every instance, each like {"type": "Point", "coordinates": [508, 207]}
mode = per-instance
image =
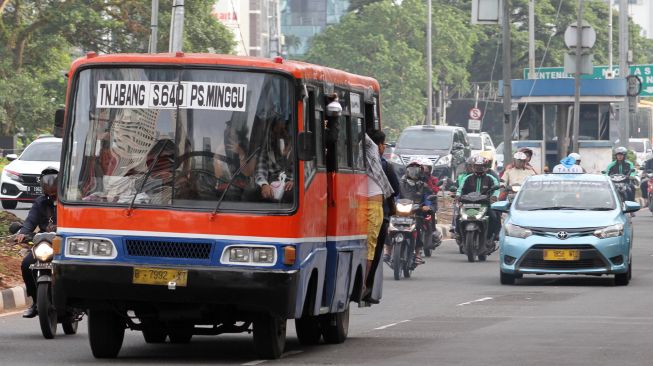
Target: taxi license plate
{"type": "Point", "coordinates": [159, 276]}
{"type": "Point", "coordinates": [561, 254]}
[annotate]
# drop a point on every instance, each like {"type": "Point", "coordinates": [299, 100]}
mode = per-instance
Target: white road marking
{"type": "Point", "coordinates": [252, 363]}
{"type": "Point", "coordinates": [473, 301]}
{"type": "Point", "coordinates": [390, 325]}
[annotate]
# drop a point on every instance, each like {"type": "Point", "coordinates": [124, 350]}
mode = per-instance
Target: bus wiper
{"type": "Point", "coordinates": [147, 175]}
{"type": "Point", "coordinates": [224, 193]}
{"type": "Point", "coordinates": [558, 208]}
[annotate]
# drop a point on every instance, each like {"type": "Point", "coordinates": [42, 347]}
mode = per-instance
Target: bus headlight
{"type": "Point", "coordinates": [98, 248]}
{"type": "Point", "coordinates": [263, 255]}
{"type": "Point", "coordinates": [43, 251]}
{"type": "Point", "coordinates": [239, 254]}
{"type": "Point", "coordinates": [255, 255]}
{"type": "Point", "coordinates": [78, 247]}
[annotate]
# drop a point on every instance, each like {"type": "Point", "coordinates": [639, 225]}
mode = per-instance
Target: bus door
{"type": "Point", "coordinates": [347, 225]}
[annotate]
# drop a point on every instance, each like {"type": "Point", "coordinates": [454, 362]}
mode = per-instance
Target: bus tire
{"type": "Point", "coordinates": [106, 331]}
{"type": "Point", "coordinates": [181, 334]}
{"type": "Point", "coordinates": [335, 327]}
{"type": "Point", "coordinates": [308, 330]}
{"type": "Point", "coordinates": [269, 336]}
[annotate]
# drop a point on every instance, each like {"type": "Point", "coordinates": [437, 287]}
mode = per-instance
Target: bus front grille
{"type": "Point", "coordinates": [168, 249]}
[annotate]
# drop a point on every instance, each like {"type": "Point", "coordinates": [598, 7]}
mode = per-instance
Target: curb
{"type": "Point", "coordinates": [12, 298]}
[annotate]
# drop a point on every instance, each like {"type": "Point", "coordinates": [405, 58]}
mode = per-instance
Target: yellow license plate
{"type": "Point", "coordinates": [159, 276]}
{"type": "Point", "coordinates": [561, 254]}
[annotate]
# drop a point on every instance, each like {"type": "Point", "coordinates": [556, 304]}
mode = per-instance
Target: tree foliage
{"type": "Point", "coordinates": [386, 40]}
{"type": "Point", "coordinates": [39, 38]}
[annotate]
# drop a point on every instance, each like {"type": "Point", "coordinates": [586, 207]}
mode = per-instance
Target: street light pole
{"type": "Point", "coordinates": [624, 118]}
{"type": "Point", "coordinates": [429, 69]}
{"type": "Point", "coordinates": [579, 49]}
{"type": "Point", "coordinates": [507, 91]}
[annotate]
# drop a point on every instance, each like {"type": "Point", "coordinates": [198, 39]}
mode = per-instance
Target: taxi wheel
{"type": "Point", "coordinates": [335, 327]}
{"type": "Point", "coordinates": [622, 279]}
{"type": "Point", "coordinates": [9, 205]}
{"type": "Point", "coordinates": [269, 336]}
{"type": "Point", "coordinates": [507, 279]}
{"type": "Point", "coordinates": [106, 331]}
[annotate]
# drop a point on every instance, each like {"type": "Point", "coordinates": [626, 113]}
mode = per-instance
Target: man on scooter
{"type": "Point", "coordinates": [414, 187]}
{"type": "Point", "coordinates": [620, 165]}
{"type": "Point", "coordinates": [43, 215]}
{"type": "Point", "coordinates": [482, 182]}
{"type": "Point", "coordinates": [517, 173]}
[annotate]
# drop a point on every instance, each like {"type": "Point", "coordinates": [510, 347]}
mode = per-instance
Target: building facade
{"type": "Point", "coordinates": [302, 19]}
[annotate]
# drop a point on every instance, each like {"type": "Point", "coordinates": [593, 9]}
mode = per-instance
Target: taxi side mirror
{"type": "Point", "coordinates": [630, 206]}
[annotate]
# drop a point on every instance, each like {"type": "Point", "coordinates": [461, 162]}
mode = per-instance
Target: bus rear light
{"type": "Point", "coordinates": [289, 255]}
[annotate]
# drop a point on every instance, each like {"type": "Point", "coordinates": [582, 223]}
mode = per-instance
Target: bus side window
{"type": "Point", "coordinates": [309, 126]}
{"type": "Point", "coordinates": [344, 141]}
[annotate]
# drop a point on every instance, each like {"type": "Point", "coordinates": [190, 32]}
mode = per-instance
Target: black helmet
{"type": "Point", "coordinates": [48, 179]}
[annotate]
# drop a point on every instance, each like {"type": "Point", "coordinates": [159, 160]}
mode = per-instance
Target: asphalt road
{"type": "Point", "coordinates": [450, 313]}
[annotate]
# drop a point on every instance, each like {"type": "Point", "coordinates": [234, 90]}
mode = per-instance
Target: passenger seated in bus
{"type": "Point", "coordinates": [101, 168]}
{"type": "Point", "coordinates": [236, 154]}
{"type": "Point", "coordinates": [274, 166]}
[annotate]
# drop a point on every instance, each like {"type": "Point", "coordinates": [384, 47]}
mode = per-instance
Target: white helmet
{"type": "Point", "coordinates": [519, 156]}
{"type": "Point", "coordinates": [414, 168]}
{"type": "Point", "coordinates": [574, 155]}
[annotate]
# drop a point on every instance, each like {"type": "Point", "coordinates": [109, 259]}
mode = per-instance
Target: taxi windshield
{"type": "Point", "coordinates": [538, 195]}
{"type": "Point", "coordinates": [181, 138]}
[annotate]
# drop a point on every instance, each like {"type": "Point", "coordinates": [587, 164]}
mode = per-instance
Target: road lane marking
{"type": "Point", "coordinates": [284, 355]}
{"type": "Point", "coordinates": [390, 325]}
{"type": "Point", "coordinates": [473, 301]}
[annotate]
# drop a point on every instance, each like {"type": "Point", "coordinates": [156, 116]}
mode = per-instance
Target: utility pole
{"type": "Point", "coordinates": [624, 118]}
{"type": "Point", "coordinates": [429, 69]}
{"type": "Point", "coordinates": [154, 25]}
{"type": "Point", "coordinates": [177, 26]}
{"type": "Point", "coordinates": [579, 55]}
{"type": "Point", "coordinates": [531, 39]}
{"type": "Point", "coordinates": [507, 91]}
{"type": "Point", "coordinates": [610, 69]}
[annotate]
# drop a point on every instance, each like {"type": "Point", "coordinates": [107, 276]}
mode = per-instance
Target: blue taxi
{"type": "Point", "coordinates": [566, 224]}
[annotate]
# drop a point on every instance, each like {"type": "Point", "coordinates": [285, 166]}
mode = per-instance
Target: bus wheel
{"type": "Point", "coordinates": [335, 327]}
{"type": "Point", "coordinates": [106, 331]}
{"type": "Point", "coordinates": [308, 330]}
{"type": "Point", "coordinates": [269, 336]}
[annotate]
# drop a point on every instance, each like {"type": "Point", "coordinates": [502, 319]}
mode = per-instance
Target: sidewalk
{"type": "Point", "coordinates": [13, 298]}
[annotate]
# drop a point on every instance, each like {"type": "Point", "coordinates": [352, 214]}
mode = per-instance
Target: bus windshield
{"type": "Point", "coordinates": [181, 138]}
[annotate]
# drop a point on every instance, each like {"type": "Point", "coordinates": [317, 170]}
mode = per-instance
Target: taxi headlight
{"type": "Point", "coordinates": [517, 231]}
{"type": "Point", "coordinates": [43, 251]}
{"type": "Point", "coordinates": [610, 231]}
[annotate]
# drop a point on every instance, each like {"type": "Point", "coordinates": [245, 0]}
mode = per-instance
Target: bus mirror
{"type": "Point", "coordinates": [305, 146]}
{"type": "Point", "coordinates": [58, 123]}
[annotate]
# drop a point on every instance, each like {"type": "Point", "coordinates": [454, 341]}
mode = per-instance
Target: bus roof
{"type": "Point", "coordinates": [298, 69]}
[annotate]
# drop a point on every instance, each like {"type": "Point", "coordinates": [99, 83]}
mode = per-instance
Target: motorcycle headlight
{"type": "Point", "coordinates": [43, 251]}
{"type": "Point", "coordinates": [610, 231]}
{"type": "Point", "coordinates": [444, 160]}
{"type": "Point", "coordinates": [516, 188]}
{"type": "Point", "coordinates": [517, 231]}
{"type": "Point", "coordinates": [404, 208]}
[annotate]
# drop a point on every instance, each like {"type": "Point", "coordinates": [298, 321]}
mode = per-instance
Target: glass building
{"type": "Point", "coordinates": [302, 19]}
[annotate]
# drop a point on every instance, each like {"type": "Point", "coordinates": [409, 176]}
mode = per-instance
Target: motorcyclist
{"type": "Point", "coordinates": [518, 172]}
{"type": "Point", "coordinates": [647, 167]}
{"type": "Point", "coordinates": [577, 157]}
{"type": "Point", "coordinates": [529, 155]}
{"type": "Point", "coordinates": [414, 187]}
{"type": "Point", "coordinates": [620, 165]}
{"type": "Point", "coordinates": [459, 182]}
{"type": "Point", "coordinates": [43, 215]}
{"type": "Point", "coordinates": [481, 182]}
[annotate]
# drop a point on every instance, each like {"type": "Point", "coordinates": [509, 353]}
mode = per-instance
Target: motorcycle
{"type": "Point", "coordinates": [622, 184]}
{"type": "Point", "coordinates": [402, 235]}
{"type": "Point", "coordinates": [430, 238]}
{"type": "Point", "coordinates": [48, 315]}
{"type": "Point", "coordinates": [473, 225]}
{"type": "Point", "coordinates": [512, 192]}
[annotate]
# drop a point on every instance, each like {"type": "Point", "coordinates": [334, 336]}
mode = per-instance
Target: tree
{"type": "Point", "coordinates": [37, 39]}
{"type": "Point", "coordinates": [386, 40]}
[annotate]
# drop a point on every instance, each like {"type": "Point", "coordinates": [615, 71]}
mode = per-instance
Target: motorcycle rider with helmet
{"type": "Point", "coordinates": [481, 182]}
{"type": "Point", "coordinates": [518, 172]}
{"type": "Point", "coordinates": [620, 165]}
{"type": "Point", "coordinates": [43, 215]}
{"type": "Point", "coordinates": [415, 188]}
